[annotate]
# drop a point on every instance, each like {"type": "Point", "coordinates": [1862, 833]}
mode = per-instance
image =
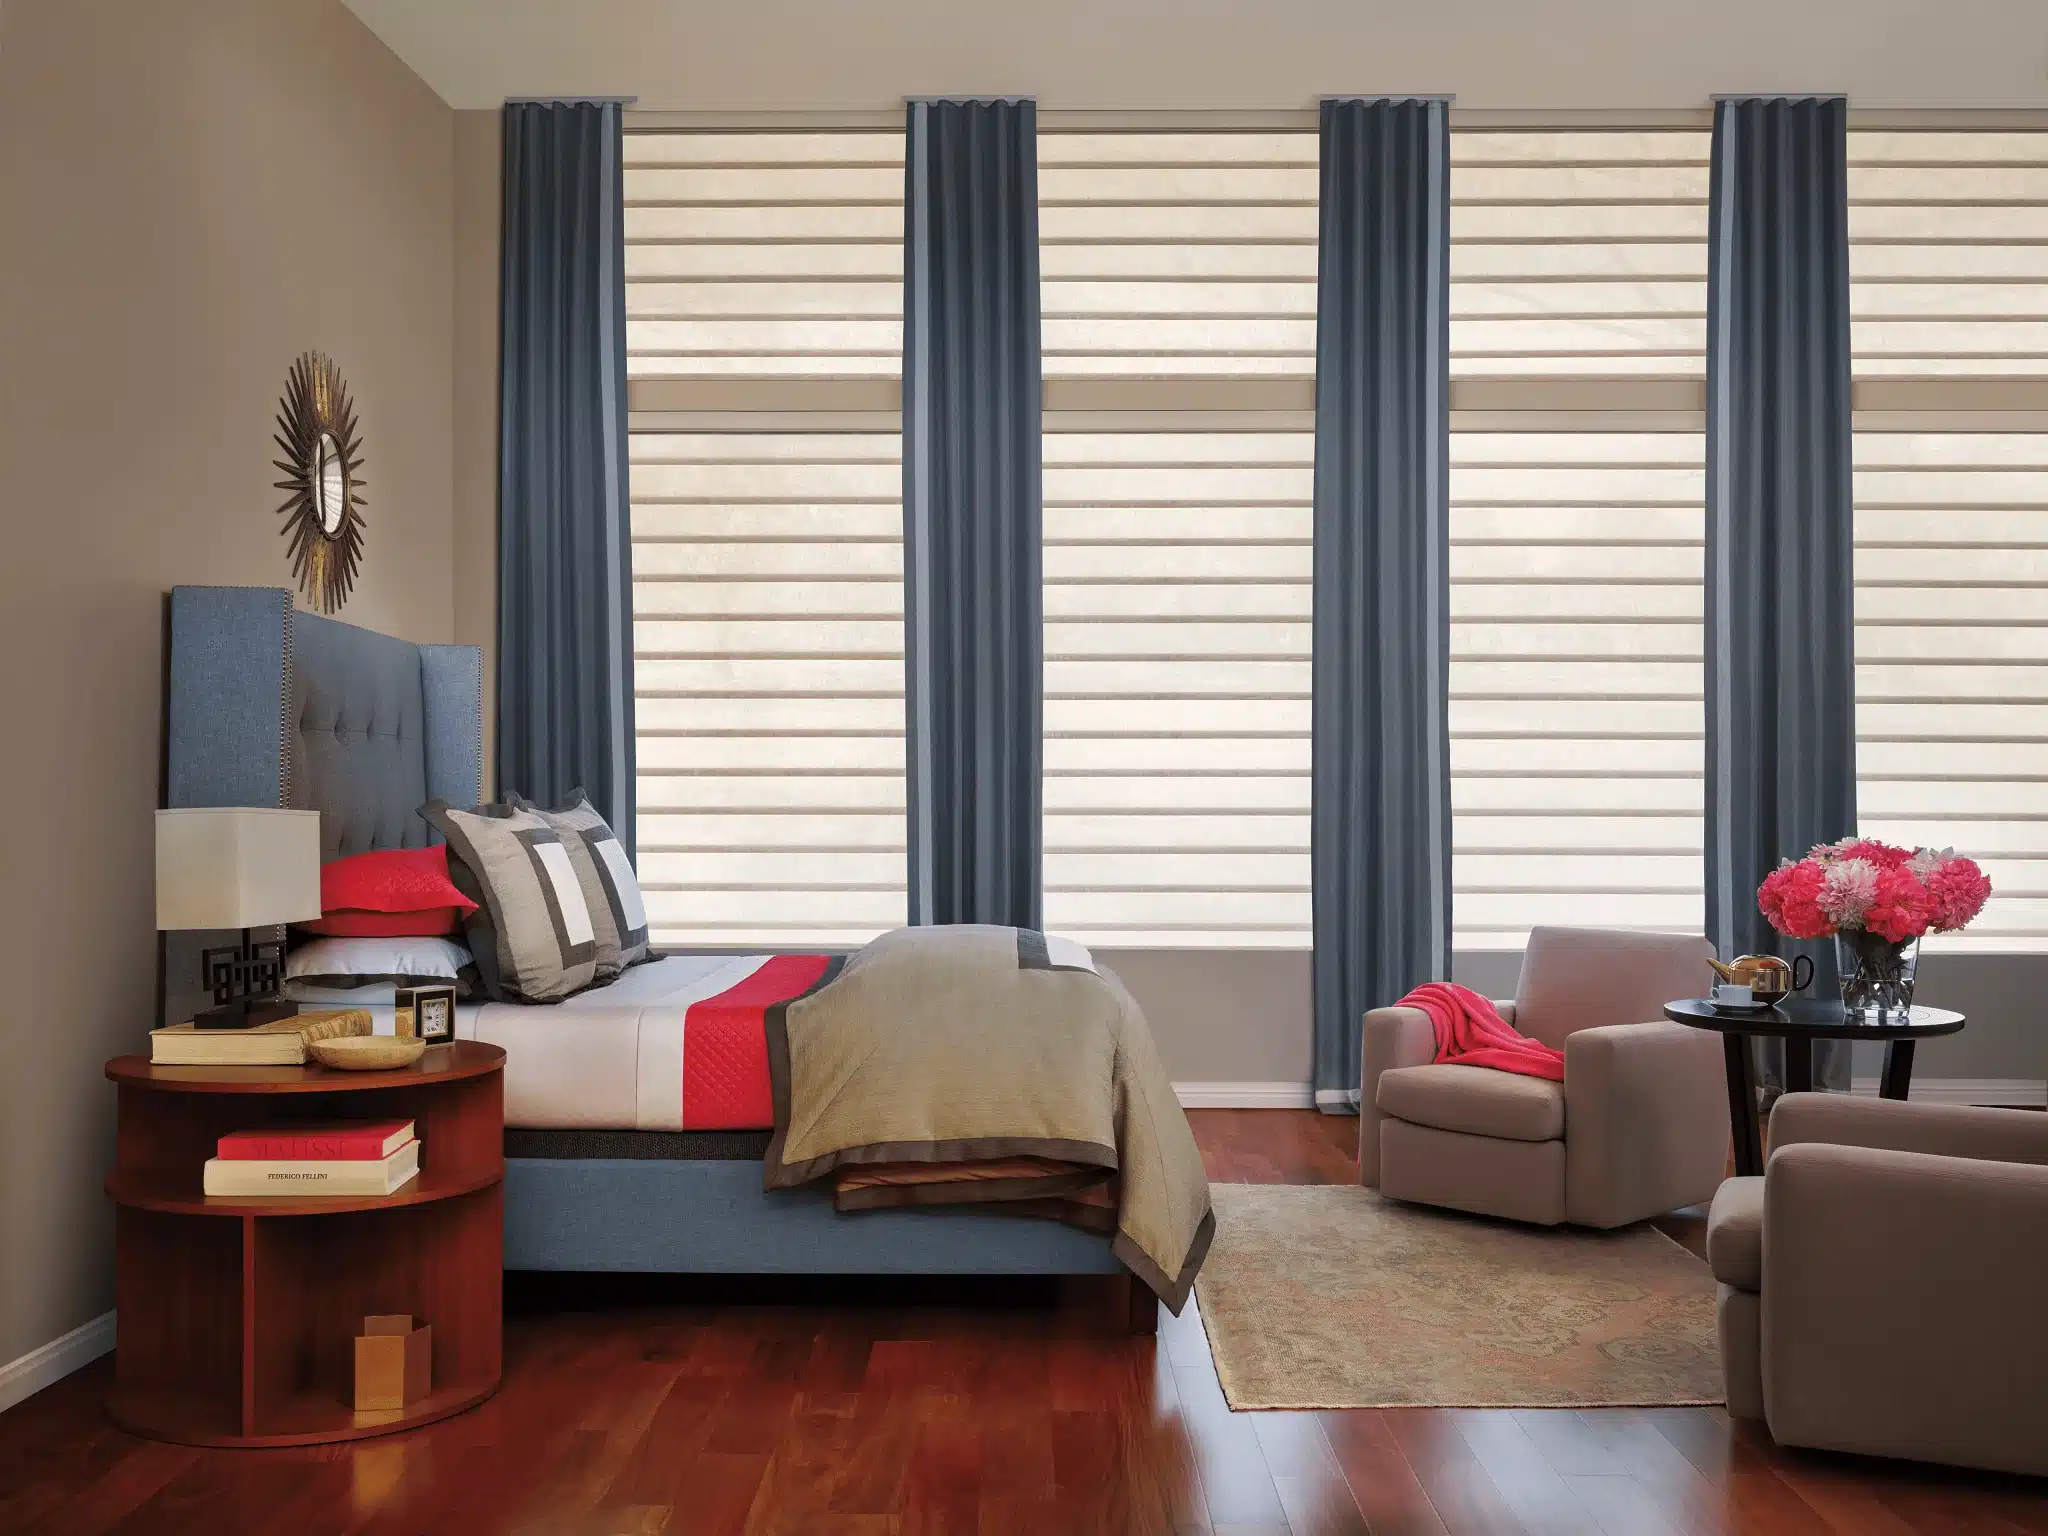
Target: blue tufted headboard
{"type": "Point", "coordinates": [267, 706]}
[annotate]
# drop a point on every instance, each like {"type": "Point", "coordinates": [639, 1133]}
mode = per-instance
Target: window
{"type": "Point", "coordinates": [764, 286]}
{"type": "Point", "coordinates": [1948, 266]}
{"type": "Point", "coordinates": [1952, 660]}
{"type": "Point", "coordinates": [1178, 295]}
{"type": "Point", "coordinates": [1578, 360]}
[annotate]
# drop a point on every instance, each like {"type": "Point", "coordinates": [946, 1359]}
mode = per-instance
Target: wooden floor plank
{"type": "Point", "coordinates": [695, 1408]}
{"type": "Point", "coordinates": [1540, 1498]}
{"type": "Point", "coordinates": [1620, 1505]}
{"type": "Point", "coordinates": [1237, 1486]}
{"type": "Point", "coordinates": [1385, 1486]}
{"type": "Point", "coordinates": [1460, 1489]}
{"type": "Point", "coordinates": [1682, 1492]}
{"type": "Point", "coordinates": [1313, 1492]}
{"type": "Point", "coordinates": [1758, 1497]}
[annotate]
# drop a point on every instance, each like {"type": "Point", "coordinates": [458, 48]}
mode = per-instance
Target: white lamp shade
{"type": "Point", "coordinates": [236, 867]}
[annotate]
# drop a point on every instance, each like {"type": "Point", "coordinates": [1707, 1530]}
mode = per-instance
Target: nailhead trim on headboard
{"type": "Point", "coordinates": [284, 716]}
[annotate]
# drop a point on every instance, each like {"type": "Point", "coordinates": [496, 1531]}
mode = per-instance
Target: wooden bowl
{"type": "Point", "coordinates": [367, 1053]}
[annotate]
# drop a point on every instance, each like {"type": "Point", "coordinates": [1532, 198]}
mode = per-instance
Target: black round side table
{"type": "Point", "coordinates": [1799, 1023]}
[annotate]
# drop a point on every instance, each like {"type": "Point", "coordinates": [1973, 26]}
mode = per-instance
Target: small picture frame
{"type": "Point", "coordinates": [428, 1012]}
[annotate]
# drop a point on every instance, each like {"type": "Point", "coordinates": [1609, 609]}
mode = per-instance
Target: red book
{"type": "Point", "coordinates": [352, 1141]}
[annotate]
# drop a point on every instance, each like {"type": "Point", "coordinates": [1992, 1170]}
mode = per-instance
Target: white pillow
{"type": "Point", "coordinates": [401, 962]}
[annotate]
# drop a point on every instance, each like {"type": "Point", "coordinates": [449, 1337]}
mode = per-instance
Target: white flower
{"type": "Point", "coordinates": [1928, 860]}
{"type": "Point", "coordinates": [1847, 891]}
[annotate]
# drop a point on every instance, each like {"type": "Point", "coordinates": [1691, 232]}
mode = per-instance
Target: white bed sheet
{"type": "Point", "coordinates": [607, 1059]}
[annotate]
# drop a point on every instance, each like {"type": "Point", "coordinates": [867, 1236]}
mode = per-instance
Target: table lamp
{"type": "Point", "coordinates": [238, 867]}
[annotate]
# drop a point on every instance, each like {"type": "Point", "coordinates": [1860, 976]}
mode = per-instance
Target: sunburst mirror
{"type": "Point", "coordinates": [323, 461]}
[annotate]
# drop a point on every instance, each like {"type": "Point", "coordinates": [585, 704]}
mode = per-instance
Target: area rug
{"type": "Point", "coordinates": [1332, 1297]}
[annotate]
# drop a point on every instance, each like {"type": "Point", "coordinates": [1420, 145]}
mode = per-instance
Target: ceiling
{"type": "Point", "coordinates": [750, 55]}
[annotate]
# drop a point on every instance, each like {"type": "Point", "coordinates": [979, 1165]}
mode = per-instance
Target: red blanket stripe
{"type": "Point", "coordinates": [725, 1046]}
{"type": "Point", "coordinates": [1471, 1033]}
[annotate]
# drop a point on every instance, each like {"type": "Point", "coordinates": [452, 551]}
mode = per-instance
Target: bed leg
{"type": "Point", "coordinates": [1141, 1308]}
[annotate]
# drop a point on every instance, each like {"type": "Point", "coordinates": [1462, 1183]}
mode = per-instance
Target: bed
{"type": "Point", "coordinates": [268, 706]}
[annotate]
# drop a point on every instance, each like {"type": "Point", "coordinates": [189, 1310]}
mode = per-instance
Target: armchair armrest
{"type": "Point", "coordinates": [1394, 1037]}
{"type": "Point", "coordinates": [1646, 1121]}
{"type": "Point", "coordinates": [1946, 1130]}
{"type": "Point", "coordinates": [1901, 1304]}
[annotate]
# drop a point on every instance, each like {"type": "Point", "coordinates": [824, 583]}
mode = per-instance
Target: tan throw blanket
{"type": "Point", "coordinates": [1009, 1067]}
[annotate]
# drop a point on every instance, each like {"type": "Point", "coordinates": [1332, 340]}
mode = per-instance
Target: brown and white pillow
{"type": "Point", "coordinates": [532, 934]}
{"type": "Point", "coordinates": [611, 890]}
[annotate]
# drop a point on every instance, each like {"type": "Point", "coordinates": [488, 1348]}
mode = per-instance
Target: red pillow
{"type": "Point", "coordinates": [389, 893]}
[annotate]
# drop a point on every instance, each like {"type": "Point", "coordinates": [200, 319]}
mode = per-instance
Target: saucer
{"type": "Point", "coordinates": [1760, 1005]}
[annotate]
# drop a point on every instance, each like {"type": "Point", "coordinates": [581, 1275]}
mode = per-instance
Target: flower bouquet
{"type": "Point", "coordinates": [1876, 901]}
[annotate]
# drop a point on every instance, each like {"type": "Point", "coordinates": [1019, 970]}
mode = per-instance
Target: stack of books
{"type": "Point", "coordinates": [280, 1043]}
{"type": "Point", "coordinates": [361, 1157]}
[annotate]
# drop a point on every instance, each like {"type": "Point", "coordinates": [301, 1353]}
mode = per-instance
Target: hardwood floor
{"type": "Point", "coordinates": [638, 1406]}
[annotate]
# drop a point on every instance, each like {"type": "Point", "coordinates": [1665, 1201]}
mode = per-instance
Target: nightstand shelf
{"type": "Point", "coordinates": [185, 1197]}
{"type": "Point", "coordinates": [237, 1316]}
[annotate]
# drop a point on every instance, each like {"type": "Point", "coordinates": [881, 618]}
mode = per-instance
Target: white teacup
{"type": "Point", "coordinates": [1729, 995]}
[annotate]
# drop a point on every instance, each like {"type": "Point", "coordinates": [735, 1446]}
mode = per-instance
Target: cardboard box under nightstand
{"type": "Point", "coordinates": [394, 1363]}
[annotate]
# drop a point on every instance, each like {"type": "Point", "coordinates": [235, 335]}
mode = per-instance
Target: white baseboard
{"type": "Point", "coordinates": [57, 1359]}
{"type": "Point", "coordinates": [2017, 1092]}
{"type": "Point", "coordinates": [2012, 1091]}
{"type": "Point", "coordinates": [1245, 1095]}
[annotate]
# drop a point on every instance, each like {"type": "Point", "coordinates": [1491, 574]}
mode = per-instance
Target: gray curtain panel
{"type": "Point", "coordinates": [1380, 836]}
{"type": "Point", "coordinates": [1780, 636]}
{"type": "Point", "coordinates": [565, 579]}
{"type": "Point", "coordinates": [971, 511]}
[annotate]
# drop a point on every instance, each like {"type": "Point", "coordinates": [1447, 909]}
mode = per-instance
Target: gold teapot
{"type": "Point", "coordinates": [1768, 978]}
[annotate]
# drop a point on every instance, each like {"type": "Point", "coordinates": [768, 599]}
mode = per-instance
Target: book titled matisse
{"type": "Point", "coordinates": [338, 1141]}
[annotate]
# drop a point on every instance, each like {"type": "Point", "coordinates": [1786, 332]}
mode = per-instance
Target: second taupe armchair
{"type": "Point", "coordinates": [1638, 1126]}
{"type": "Point", "coordinates": [1881, 1283]}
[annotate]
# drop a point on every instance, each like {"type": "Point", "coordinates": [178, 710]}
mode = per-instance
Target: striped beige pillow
{"type": "Point", "coordinates": [542, 942]}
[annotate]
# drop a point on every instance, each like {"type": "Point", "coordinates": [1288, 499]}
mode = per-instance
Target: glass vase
{"type": "Point", "coordinates": [1876, 976]}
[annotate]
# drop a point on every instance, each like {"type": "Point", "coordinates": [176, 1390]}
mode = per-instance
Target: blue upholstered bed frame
{"type": "Point", "coordinates": [267, 706]}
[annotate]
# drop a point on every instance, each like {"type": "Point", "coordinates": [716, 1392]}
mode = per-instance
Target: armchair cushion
{"type": "Point", "coordinates": [1574, 978]}
{"type": "Point", "coordinates": [1476, 1100]}
{"type": "Point", "coordinates": [1942, 1130]}
{"type": "Point", "coordinates": [1735, 1234]}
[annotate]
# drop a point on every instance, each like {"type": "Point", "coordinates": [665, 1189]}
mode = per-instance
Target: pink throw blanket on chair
{"type": "Point", "coordinates": [1471, 1033]}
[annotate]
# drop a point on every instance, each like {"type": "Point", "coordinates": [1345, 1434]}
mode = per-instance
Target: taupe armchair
{"type": "Point", "coordinates": [1638, 1126]}
{"type": "Point", "coordinates": [1880, 1285]}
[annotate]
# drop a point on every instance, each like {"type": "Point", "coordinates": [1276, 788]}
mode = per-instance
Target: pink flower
{"type": "Point", "coordinates": [1847, 890]}
{"type": "Point", "coordinates": [1902, 908]}
{"type": "Point", "coordinates": [1956, 890]}
{"type": "Point", "coordinates": [1871, 851]}
{"type": "Point", "coordinates": [1790, 899]}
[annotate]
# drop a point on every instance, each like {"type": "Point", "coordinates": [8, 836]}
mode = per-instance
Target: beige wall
{"type": "Point", "coordinates": [478, 152]}
{"type": "Point", "coordinates": [190, 195]}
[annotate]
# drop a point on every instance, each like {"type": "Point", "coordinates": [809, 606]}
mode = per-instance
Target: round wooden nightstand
{"type": "Point", "coordinates": [236, 1317]}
